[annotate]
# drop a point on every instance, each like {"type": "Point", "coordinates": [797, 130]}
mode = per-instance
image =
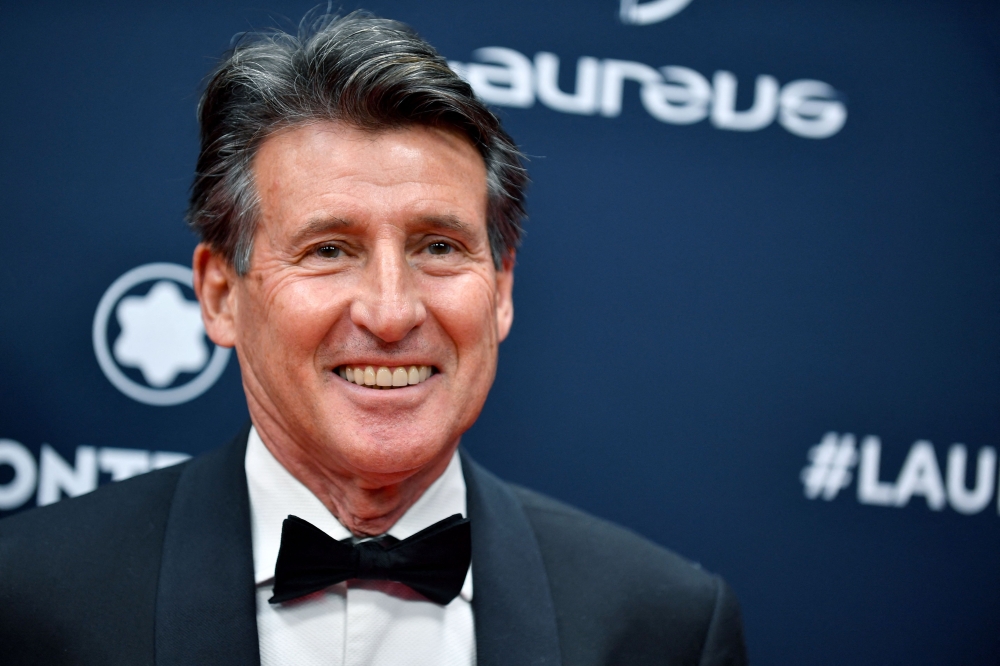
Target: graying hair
{"type": "Point", "coordinates": [372, 73]}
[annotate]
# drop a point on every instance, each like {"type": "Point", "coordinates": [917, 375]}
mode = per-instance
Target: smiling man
{"type": "Point", "coordinates": [359, 211]}
{"type": "Point", "coordinates": [371, 260]}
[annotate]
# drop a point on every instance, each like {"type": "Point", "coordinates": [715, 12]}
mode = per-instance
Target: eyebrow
{"type": "Point", "coordinates": [318, 227]}
{"type": "Point", "coordinates": [450, 222]}
{"type": "Point", "coordinates": [323, 225]}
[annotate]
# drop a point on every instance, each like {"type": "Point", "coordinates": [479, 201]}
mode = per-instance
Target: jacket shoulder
{"type": "Point", "coordinates": [83, 572]}
{"type": "Point", "coordinates": [620, 598]}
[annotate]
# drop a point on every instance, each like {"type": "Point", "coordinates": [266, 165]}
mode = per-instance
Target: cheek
{"type": "Point", "coordinates": [293, 318]}
{"type": "Point", "coordinates": [465, 309]}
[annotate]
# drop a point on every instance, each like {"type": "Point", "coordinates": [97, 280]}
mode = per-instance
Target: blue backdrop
{"type": "Point", "coordinates": [757, 309]}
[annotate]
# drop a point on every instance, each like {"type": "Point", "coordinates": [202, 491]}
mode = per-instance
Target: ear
{"type": "Point", "coordinates": [505, 296]}
{"type": "Point", "coordinates": [215, 287]}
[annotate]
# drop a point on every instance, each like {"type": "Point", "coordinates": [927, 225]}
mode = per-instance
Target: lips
{"type": "Point", "coordinates": [385, 377]}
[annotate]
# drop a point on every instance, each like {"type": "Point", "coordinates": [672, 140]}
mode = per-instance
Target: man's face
{"type": "Point", "coordinates": [372, 250]}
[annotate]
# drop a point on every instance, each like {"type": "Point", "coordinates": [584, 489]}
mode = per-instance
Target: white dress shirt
{"type": "Point", "coordinates": [354, 623]}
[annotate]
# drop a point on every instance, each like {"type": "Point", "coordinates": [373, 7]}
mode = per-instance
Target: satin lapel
{"type": "Point", "coordinates": [514, 614]}
{"type": "Point", "coordinates": [206, 608]}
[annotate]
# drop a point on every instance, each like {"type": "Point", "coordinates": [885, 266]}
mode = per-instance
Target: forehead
{"type": "Point", "coordinates": [331, 168]}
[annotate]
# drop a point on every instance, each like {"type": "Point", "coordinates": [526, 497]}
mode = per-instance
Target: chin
{"type": "Point", "coordinates": [393, 455]}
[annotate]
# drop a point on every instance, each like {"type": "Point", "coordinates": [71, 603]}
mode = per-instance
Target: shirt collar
{"type": "Point", "coordinates": [275, 493]}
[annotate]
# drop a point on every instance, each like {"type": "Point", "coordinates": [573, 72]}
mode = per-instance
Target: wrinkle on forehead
{"type": "Point", "coordinates": [393, 157]}
{"type": "Point", "coordinates": [333, 168]}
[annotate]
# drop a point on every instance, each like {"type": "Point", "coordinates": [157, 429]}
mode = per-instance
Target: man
{"type": "Point", "coordinates": [359, 211]}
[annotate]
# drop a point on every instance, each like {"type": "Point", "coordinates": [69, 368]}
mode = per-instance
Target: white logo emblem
{"type": "Point", "coordinates": [644, 13]}
{"type": "Point", "coordinates": [162, 336]}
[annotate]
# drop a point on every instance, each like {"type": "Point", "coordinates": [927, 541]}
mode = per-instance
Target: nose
{"type": "Point", "coordinates": [389, 305]}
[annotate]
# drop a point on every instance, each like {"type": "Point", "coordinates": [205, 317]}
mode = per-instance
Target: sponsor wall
{"type": "Point", "coordinates": [757, 306]}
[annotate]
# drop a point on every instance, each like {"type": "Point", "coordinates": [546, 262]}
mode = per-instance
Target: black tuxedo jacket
{"type": "Point", "coordinates": [159, 570]}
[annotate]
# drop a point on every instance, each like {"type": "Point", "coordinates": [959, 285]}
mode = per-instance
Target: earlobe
{"type": "Point", "coordinates": [505, 297]}
{"type": "Point", "coordinates": [215, 287]}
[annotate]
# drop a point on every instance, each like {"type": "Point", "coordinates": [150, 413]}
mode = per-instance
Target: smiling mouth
{"type": "Point", "coordinates": [384, 377]}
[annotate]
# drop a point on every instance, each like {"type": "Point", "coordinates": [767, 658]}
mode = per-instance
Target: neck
{"type": "Point", "coordinates": [366, 504]}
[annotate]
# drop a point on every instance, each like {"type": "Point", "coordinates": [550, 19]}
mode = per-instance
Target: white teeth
{"type": "Point", "coordinates": [384, 377]}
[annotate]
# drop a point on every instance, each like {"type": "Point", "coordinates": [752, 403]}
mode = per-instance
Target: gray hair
{"type": "Point", "coordinates": [371, 73]}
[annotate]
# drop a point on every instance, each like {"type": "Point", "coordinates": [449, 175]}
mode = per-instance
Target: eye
{"type": "Point", "coordinates": [329, 252]}
{"type": "Point", "coordinates": [439, 248]}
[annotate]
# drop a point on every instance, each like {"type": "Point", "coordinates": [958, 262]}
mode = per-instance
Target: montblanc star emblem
{"type": "Point", "coordinates": [162, 334]}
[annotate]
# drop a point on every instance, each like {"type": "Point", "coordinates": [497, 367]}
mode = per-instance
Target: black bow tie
{"type": "Point", "coordinates": [434, 561]}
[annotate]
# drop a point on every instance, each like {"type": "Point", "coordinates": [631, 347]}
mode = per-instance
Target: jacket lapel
{"type": "Point", "coordinates": [514, 614]}
{"type": "Point", "coordinates": [206, 605]}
